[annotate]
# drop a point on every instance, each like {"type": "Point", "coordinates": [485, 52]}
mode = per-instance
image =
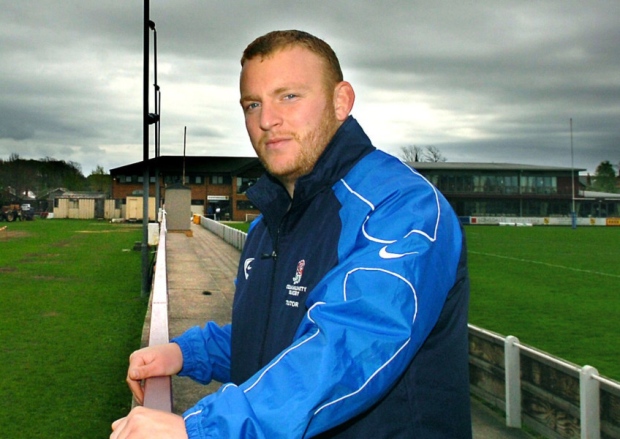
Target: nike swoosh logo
{"type": "Point", "coordinates": [384, 254]}
{"type": "Point", "coordinates": [247, 267]}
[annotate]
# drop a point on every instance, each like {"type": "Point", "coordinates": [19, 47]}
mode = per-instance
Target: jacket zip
{"type": "Point", "coordinates": [274, 255]}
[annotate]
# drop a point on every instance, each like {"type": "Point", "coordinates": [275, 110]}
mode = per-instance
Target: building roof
{"type": "Point", "coordinates": [192, 164]}
{"type": "Point", "coordinates": [471, 166]}
{"type": "Point", "coordinates": [602, 195]}
{"type": "Point", "coordinates": [82, 195]}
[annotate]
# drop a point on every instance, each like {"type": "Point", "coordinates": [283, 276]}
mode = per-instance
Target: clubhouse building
{"type": "Point", "coordinates": [501, 189]}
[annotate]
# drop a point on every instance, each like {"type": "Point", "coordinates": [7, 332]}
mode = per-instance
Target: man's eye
{"type": "Point", "coordinates": [251, 106]}
{"type": "Point", "coordinates": [290, 96]}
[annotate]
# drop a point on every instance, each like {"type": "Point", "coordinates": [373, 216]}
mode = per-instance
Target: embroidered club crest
{"type": "Point", "coordinates": [300, 272]}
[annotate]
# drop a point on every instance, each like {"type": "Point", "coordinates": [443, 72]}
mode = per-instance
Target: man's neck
{"type": "Point", "coordinates": [290, 187]}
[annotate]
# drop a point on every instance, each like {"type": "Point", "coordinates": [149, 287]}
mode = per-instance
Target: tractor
{"type": "Point", "coordinates": [11, 213]}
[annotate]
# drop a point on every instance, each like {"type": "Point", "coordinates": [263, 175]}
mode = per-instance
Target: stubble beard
{"type": "Point", "coordinates": [311, 145]}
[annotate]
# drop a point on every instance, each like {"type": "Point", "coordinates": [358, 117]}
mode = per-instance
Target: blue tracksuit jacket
{"type": "Point", "coordinates": [350, 313]}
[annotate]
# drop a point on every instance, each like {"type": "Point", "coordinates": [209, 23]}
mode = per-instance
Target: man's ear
{"type": "Point", "coordinates": [344, 97]}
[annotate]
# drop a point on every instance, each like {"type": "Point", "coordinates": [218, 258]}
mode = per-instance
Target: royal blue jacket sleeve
{"type": "Point", "coordinates": [206, 353]}
{"type": "Point", "coordinates": [365, 322]}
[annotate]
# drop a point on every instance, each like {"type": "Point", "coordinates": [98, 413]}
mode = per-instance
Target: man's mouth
{"type": "Point", "coordinates": [276, 142]}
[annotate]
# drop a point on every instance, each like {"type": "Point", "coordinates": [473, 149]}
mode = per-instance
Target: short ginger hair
{"type": "Point", "coordinates": [275, 41]}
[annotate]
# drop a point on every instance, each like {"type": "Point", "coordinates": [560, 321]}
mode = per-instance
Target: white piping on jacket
{"type": "Point", "coordinates": [417, 231]}
{"type": "Point", "coordinates": [283, 354]}
{"type": "Point", "coordinates": [384, 365]}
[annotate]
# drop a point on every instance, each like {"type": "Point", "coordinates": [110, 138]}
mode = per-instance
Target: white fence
{"type": "Point", "coordinates": [234, 237]}
{"type": "Point", "coordinates": [553, 397]}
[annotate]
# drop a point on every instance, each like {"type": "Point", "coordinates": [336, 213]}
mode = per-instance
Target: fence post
{"type": "Point", "coordinates": [512, 367]}
{"type": "Point", "coordinates": [589, 403]}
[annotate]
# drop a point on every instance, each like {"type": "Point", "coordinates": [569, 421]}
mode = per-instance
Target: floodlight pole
{"type": "Point", "coordinates": [572, 175]}
{"type": "Point", "coordinates": [157, 99]}
{"type": "Point", "coordinates": [145, 134]}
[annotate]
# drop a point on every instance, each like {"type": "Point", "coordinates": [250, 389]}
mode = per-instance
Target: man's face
{"type": "Point", "coordinates": [289, 114]}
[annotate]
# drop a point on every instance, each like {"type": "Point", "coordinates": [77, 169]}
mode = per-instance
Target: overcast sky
{"type": "Point", "coordinates": [483, 81]}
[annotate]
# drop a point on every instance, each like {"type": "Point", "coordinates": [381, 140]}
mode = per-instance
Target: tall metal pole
{"type": "Point", "coordinates": [156, 97]}
{"type": "Point", "coordinates": [572, 175]}
{"type": "Point", "coordinates": [184, 143]}
{"type": "Point", "coordinates": [145, 134]}
{"type": "Point", "coordinates": [157, 152]}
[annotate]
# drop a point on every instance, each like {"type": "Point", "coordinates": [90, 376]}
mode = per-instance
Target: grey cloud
{"type": "Point", "coordinates": [70, 72]}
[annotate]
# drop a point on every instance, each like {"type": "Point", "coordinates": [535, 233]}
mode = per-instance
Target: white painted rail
{"type": "Point", "coordinates": [158, 391]}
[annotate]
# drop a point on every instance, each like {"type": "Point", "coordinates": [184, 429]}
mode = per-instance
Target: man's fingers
{"type": "Point", "coordinates": [117, 428]}
{"type": "Point", "coordinates": [137, 373]}
{"type": "Point", "coordinates": [117, 423]}
{"type": "Point", "coordinates": [154, 361]}
{"type": "Point", "coordinates": [136, 389]}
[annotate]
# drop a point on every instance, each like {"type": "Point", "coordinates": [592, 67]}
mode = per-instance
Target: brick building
{"type": "Point", "coordinates": [217, 184]}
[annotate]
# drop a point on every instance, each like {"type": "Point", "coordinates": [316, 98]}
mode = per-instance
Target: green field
{"type": "Point", "coordinates": [555, 288]}
{"type": "Point", "coordinates": [70, 315]}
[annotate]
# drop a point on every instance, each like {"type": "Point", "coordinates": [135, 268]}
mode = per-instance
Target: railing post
{"type": "Point", "coordinates": [589, 403]}
{"type": "Point", "coordinates": [512, 366]}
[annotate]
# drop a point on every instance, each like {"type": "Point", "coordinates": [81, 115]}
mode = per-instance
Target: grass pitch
{"type": "Point", "coordinates": [555, 288]}
{"type": "Point", "coordinates": [70, 315]}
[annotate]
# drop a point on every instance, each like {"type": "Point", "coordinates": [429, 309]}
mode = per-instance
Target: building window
{"type": "Point", "coordinates": [221, 179]}
{"type": "Point", "coordinates": [172, 179]}
{"type": "Point", "coordinates": [538, 184]}
{"type": "Point", "coordinates": [244, 183]}
{"type": "Point", "coordinates": [194, 179]}
{"type": "Point", "coordinates": [198, 202]}
{"type": "Point", "coordinates": [245, 205]}
{"type": "Point", "coordinates": [511, 184]}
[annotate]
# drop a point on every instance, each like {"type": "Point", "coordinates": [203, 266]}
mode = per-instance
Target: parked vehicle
{"type": "Point", "coordinates": [27, 212]}
{"type": "Point", "coordinates": [14, 212]}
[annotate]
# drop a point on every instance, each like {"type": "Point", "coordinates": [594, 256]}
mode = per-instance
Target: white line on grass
{"type": "Point", "coordinates": [544, 263]}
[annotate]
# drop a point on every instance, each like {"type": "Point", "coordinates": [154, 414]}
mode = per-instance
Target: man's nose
{"type": "Point", "coordinates": [270, 116]}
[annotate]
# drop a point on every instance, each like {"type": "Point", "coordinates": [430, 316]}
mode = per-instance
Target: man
{"type": "Point", "coordinates": [350, 312]}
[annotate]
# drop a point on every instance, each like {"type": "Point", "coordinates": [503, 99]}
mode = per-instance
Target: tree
{"type": "Point", "coordinates": [38, 176]}
{"type": "Point", "coordinates": [605, 177]}
{"type": "Point", "coordinates": [412, 153]}
{"type": "Point", "coordinates": [98, 179]}
{"type": "Point", "coordinates": [434, 155]}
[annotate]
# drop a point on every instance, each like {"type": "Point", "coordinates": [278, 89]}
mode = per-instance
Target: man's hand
{"type": "Point", "coordinates": [143, 423]}
{"type": "Point", "coordinates": [154, 361]}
